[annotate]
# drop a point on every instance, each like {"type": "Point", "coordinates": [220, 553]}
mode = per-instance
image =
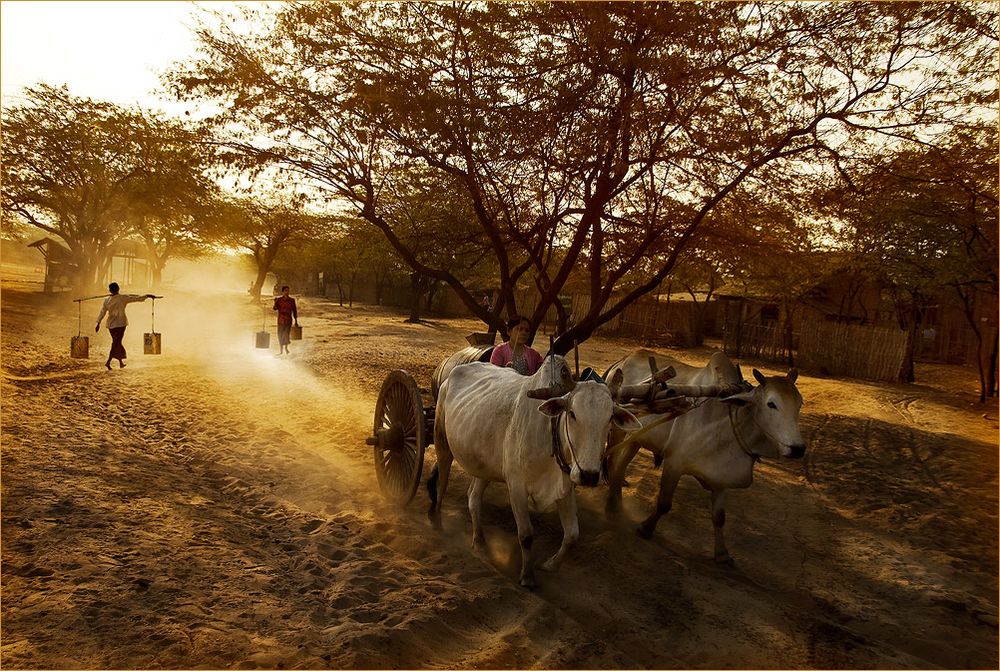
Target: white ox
{"type": "Point", "coordinates": [718, 371]}
{"type": "Point", "coordinates": [486, 420]}
{"type": "Point", "coordinates": [717, 442]}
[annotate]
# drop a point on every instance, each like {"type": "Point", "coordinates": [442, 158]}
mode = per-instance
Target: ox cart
{"type": "Point", "coordinates": [403, 426]}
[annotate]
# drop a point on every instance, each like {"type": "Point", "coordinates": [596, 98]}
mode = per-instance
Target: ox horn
{"type": "Point", "coordinates": [545, 393]}
{"type": "Point", "coordinates": [615, 385]}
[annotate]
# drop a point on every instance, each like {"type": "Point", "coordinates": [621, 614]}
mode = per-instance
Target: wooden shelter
{"type": "Point", "coordinates": [59, 267]}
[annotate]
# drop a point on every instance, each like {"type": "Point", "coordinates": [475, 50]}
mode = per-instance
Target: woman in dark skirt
{"type": "Point", "coordinates": [285, 305]}
{"type": "Point", "coordinates": [114, 307]}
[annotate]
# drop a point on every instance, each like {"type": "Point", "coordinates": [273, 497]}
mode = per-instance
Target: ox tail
{"type": "Point", "coordinates": [432, 487]}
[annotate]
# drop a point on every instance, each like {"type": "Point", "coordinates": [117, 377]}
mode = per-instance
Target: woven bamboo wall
{"type": "Point", "coordinates": [863, 352]}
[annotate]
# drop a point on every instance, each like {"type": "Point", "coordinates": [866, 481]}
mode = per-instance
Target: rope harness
{"type": "Point", "coordinates": [739, 439]}
{"type": "Point", "coordinates": [557, 445]}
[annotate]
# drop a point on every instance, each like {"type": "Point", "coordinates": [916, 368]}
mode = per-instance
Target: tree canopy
{"type": "Point", "coordinates": [92, 173]}
{"type": "Point", "coordinates": [594, 138]}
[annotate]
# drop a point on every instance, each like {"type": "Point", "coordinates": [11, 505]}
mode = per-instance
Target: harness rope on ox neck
{"type": "Point", "coordinates": [739, 439]}
{"type": "Point", "coordinates": [556, 444]}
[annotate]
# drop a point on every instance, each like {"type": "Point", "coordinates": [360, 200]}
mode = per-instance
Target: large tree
{"type": "Point", "coordinates": [86, 171]}
{"type": "Point", "coordinates": [587, 136]}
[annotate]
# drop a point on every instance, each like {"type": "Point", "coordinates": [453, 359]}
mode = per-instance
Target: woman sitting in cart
{"type": "Point", "coordinates": [516, 353]}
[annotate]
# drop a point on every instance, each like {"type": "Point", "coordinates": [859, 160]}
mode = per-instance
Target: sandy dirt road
{"type": "Point", "coordinates": [216, 507]}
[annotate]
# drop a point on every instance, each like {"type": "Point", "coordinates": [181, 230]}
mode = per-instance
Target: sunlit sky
{"type": "Point", "coordinates": [104, 50]}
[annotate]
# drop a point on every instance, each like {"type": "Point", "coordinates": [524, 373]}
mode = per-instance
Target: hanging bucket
{"type": "Point", "coordinates": [79, 347]}
{"type": "Point", "coordinates": [151, 343]}
{"type": "Point", "coordinates": [263, 340]}
{"type": "Point", "coordinates": [295, 333]}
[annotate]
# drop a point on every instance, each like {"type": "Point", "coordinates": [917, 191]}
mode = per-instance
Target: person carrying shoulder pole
{"type": "Point", "coordinates": [285, 305]}
{"type": "Point", "coordinates": [114, 307]}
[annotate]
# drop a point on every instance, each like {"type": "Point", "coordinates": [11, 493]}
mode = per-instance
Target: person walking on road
{"type": "Point", "coordinates": [114, 308]}
{"type": "Point", "coordinates": [285, 305]}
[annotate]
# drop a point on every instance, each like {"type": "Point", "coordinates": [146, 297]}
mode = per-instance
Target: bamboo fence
{"type": "Point", "coordinates": [865, 352]}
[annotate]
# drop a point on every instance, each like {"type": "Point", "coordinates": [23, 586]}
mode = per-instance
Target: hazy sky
{"type": "Point", "coordinates": [107, 50]}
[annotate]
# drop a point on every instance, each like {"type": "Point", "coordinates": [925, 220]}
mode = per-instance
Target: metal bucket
{"type": "Point", "coordinates": [295, 333]}
{"type": "Point", "coordinates": [263, 339]}
{"type": "Point", "coordinates": [79, 347]}
{"type": "Point", "coordinates": [151, 343]}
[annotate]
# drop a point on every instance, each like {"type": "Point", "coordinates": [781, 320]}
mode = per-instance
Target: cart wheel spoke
{"type": "Point", "coordinates": [400, 425]}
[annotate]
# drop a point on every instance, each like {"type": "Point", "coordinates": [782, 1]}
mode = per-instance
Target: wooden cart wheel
{"type": "Point", "coordinates": [399, 437]}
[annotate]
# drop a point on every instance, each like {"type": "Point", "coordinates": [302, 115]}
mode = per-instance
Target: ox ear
{"type": "Point", "coordinates": [566, 380]}
{"type": "Point", "coordinates": [759, 376]}
{"type": "Point", "coordinates": [554, 406]}
{"type": "Point", "coordinates": [738, 399]}
{"type": "Point", "coordinates": [624, 419]}
{"type": "Point", "coordinates": [793, 375]}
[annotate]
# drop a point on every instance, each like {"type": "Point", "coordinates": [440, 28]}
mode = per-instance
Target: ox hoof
{"type": "Point", "coordinates": [529, 583]}
{"type": "Point", "coordinates": [613, 507]}
{"type": "Point", "coordinates": [550, 565]}
{"type": "Point", "coordinates": [435, 521]}
{"type": "Point", "coordinates": [725, 560]}
{"type": "Point", "coordinates": [645, 531]}
{"type": "Point", "coordinates": [479, 542]}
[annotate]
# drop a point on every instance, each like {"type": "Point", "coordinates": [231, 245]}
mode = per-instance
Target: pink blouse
{"type": "Point", "coordinates": [503, 356]}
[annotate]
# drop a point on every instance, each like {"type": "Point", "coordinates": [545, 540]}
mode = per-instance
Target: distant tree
{"type": "Point", "coordinates": [69, 166]}
{"type": "Point", "coordinates": [761, 241]}
{"type": "Point", "coordinates": [583, 136]}
{"type": "Point", "coordinates": [262, 229]}
{"type": "Point", "coordinates": [80, 169]}
{"type": "Point", "coordinates": [170, 209]}
{"type": "Point", "coordinates": [925, 219]}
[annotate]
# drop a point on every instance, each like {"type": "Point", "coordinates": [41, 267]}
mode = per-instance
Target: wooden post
{"type": "Point", "coordinates": [576, 357]}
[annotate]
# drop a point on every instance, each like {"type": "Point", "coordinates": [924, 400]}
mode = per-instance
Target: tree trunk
{"type": "Point", "coordinates": [698, 324]}
{"type": "Point", "coordinates": [968, 308]}
{"type": "Point", "coordinates": [417, 287]}
{"type": "Point", "coordinates": [156, 270]}
{"type": "Point", "coordinates": [379, 288]}
{"type": "Point", "coordinates": [991, 375]}
{"type": "Point", "coordinates": [432, 290]}
{"type": "Point", "coordinates": [906, 370]}
{"type": "Point", "coordinates": [88, 268]}
{"type": "Point", "coordinates": [258, 283]}
{"type": "Point", "coordinates": [789, 334]}
{"type": "Point", "coordinates": [350, 289]}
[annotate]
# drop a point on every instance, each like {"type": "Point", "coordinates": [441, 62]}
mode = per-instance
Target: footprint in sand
{"type": "Point", "coordinates": [312, 526]}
